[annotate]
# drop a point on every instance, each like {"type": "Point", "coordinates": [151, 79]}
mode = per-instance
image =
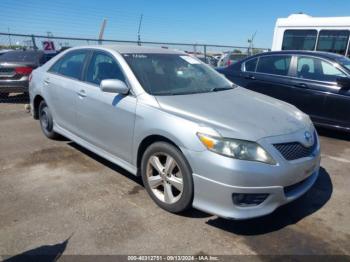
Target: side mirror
{"type": "Point", "coordinates": [344, 83]}
{"type": "Point", "coordinates": [114, 86]}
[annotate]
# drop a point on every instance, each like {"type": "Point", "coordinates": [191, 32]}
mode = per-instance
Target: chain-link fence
{"type": "Point", "coordinates": [8, 41]}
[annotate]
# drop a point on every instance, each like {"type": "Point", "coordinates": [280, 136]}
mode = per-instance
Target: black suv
{"type": "Point", "coordinates": [318, 83]}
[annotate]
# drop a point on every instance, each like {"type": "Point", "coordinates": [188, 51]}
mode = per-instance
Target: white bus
{"type": "Point", "coordinates": [304, 32]}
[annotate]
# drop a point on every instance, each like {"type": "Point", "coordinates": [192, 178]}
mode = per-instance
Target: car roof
{"type": "Point", "coordinates": [328, 55]}
{"type": "Point", "coordinates": [127, 49]}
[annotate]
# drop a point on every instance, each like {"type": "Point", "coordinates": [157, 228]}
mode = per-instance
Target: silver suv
{"type": "Point", "coordinates": [195, 138]}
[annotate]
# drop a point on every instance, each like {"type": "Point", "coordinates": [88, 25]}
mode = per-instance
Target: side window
{"type": "Point", "coordinates": [299, 40]}
{"type": "Point", "coordinates": [250, 65]}
{"type": "Point", "coordinates": [334, 41]}
{"type": "Point", "coordinates": [103, 66]}
{"type": "Point", "coordinates": [330, 72]}
{"type": "Point", "coordinates": [276, 65]}
{"type": "Point", "coordinates": [306, 67]}
{"type": "Point", "coordinates": [317, 69]}
{"type": "Point", "coordinates": [70, 65]}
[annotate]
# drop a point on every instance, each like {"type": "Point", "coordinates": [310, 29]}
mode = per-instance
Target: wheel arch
{"type": "Point", "coordinates": [149, 140]}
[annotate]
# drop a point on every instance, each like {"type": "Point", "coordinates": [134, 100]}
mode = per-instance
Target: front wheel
{"type": "Point", "coordinates": [167, 177]}
{"type": "Point", "coordinates": [46, 121]}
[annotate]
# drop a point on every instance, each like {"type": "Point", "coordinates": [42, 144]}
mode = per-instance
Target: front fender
{"type": "Point", "coordinates": [151, 120]}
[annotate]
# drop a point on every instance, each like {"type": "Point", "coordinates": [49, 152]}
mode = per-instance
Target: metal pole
{"type": "Point", "coordinates": [205, 53]}
{"type": "Point", "coordinates": [102, 30]}
{"type": "Point", "coordinates": [34, 44]}
{"type": "Point", "coordinates": [139, 30]}
{"type": "Point", "coordinates": [10, 42]}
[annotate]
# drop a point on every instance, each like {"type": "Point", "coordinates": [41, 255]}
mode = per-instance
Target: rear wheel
{"type": "Point", "coordinates": [167, 177]}
{"type": "Point", "coordinates": [46, 121]}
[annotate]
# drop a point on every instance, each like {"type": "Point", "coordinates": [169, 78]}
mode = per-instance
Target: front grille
{"type": "Point", "coordinates": [295, 150]}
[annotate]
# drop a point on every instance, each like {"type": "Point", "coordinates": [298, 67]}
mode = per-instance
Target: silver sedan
{"type": "Point", "coordinates": [194, 137]}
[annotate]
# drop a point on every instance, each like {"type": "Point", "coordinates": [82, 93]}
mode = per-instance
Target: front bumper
{"type": "Point", "coordinates": [216, 178]}
{"type": "Point", "coordinates": [216, 198]}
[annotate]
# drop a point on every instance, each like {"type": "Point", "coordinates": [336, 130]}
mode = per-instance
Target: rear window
{"type": "Point", "coordinates": [299, 40]}
{"type": "Point", "coordinates": [21, 56]}
{"type": "Point", "coordinates": [276, 65]}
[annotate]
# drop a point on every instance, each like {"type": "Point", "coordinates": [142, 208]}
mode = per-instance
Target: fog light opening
{"type": "Point", "coordinates": [247, 200]}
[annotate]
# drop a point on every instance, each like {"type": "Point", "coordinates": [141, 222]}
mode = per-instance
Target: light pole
{"type": "Point", "coordinates": [139, 31]}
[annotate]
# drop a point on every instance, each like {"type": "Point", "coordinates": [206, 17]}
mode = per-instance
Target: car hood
{"type": "Point", "coordinates": [237, 113]}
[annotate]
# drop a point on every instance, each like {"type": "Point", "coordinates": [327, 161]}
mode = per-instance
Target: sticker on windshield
{"type": "Point", "coordinates": [190, 59]}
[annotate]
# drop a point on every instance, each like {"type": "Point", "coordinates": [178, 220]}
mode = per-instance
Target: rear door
{"type": "Point", "coordinates": [271, 76]}
{"type": "Point", "coordinates": [61, 85]}
{"type": "Point", "coordinates": [106, 120]}
{"type": "Point", "coordinates": [241, 73]}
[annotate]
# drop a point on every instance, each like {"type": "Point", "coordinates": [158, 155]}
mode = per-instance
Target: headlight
{"type": "Point", "coordinates": [235, 148]}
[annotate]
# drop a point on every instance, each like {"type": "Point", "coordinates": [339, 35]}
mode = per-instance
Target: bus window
{"type": "Point", "coordinates": [334, 41]}
{"type": "Point", "coordinates": [299, 40]}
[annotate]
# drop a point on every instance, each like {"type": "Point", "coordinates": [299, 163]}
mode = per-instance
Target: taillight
{"type": "Point", "coordinates": [23, 70]}
{"type": "Point", "coordinates": [30, 77]}
{"type": "Point", "coordinates": [228, 62]}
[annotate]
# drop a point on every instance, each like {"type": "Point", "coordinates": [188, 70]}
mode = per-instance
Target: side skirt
{"type": "Point", "coordinates": [122, 163]}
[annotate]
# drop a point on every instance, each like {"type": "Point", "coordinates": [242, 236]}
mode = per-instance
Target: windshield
{"type": "Point", "coordinates": [174, 74]}
{"type": "Point", "coordinates": [344, 61]}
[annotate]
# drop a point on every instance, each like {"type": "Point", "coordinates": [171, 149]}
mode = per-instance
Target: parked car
{"type": "Point", "coordinates": [208, 60]}
{"type": "Point", "coordinates": [194, 137]}
{"type": "Point", "coordinates": [15, 68]}
{"type": "Point", "coordinates": [317, 83]}
{"type": "Point", "coordinates": [230, 58]}
{"type": "Point", "coordinates": [4, 51]}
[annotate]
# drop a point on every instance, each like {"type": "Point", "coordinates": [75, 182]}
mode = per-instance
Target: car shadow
{"type": "Point", "coordinates": [286, 215]}
{"type": "Point", "coordinates": [42, 253]}
{"type": "Point", "coordinates": [18, 98]}
{"type": "Point", "coordinates": [337, 134]}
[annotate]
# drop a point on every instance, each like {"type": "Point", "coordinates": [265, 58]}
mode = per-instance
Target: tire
{"type": "Point", "coordinates": [165, 187]}
{"type": "Point", "coordinates": [46, 121]}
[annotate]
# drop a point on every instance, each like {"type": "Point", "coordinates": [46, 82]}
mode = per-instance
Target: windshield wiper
{"type": "Point", "coordinates": [216, 89]}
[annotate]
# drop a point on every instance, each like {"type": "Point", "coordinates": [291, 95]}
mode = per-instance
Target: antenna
{"type": "Point", "coordinates": [139, 31]}
{"type": "Point", "coordinates": [102, 30]}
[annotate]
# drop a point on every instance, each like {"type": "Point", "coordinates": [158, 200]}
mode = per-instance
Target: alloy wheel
{"type": "Point", "coordinates": [164, 178]}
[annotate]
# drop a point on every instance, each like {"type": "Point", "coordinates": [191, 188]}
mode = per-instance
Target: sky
{"type": "Point", "coordinates": [193, 21]}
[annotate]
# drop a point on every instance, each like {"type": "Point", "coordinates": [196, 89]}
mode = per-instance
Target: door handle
{"type": "Point", "coordinates": [82, 93]}
{"type": "Point", "coordinates": [47, 81]}
{"type": "Point", "coordinates": [250, 77]}
{"type": "Point", "coordinates": [301, 85]}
